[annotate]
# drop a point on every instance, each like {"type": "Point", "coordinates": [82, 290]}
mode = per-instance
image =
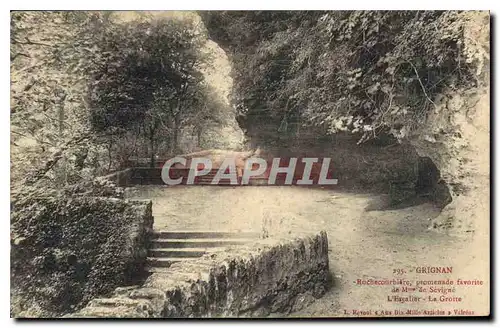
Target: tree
{"type": "Point", "coordinates": [50, 54]}
{"type": "Point", "coordinates": [150, 77]}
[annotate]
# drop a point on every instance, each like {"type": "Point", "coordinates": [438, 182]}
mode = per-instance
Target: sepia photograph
{"type": "Point", "coordinates": [250, 164]}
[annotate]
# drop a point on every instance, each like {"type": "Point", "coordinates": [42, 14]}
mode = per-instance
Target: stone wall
{"type": "Point", "coordinates": [456, 137]}
{"type": "Point", "coordinates": [121, 178]}
{"type": "Point", "coordinates": [270, 276]}
{"type": "Point", "coordinates": [68, 250]}
{"type": "Point", "coordinates": [136, 176]}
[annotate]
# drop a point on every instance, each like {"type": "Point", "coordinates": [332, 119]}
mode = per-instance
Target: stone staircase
{"type": "Point", "coordinates": [168, 247]}
{"type": "Point", "coordinates": [152, 176]}
{"type": "Point", "coordinates": [256, 280]}
{"type": "Point", "coordinates": [209, 177]}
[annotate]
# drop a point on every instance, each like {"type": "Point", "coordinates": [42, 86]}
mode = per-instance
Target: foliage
{"type": "Point", "coordinates": [155, 86]}
{"type": "Point", "coordinates": [366, 72]}
{"type": "Point", "coordinates": [86, 76]}
{"type": "Point", "coordinates": [84, 85]}
{"type": "Point", "coordinates": [50, 53]}
{"type": "Point", "coordinates": [68, 249]}
{"type": "Point", "coordinates": [143, 62]}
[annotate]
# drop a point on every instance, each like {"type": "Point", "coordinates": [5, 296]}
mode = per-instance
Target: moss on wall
{"type": "Point", "coordinates": [65, 250]}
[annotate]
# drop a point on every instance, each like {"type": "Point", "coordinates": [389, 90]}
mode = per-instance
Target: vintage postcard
{"type": "Point", "coordinates": [250, 164]}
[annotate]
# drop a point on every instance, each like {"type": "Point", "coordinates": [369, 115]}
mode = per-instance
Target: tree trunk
{"type": "Point", "coordinates": [110, 157]}
{"type": "Point", "coordinates": [152, 146]}
{"type": "Point", "coordinates": [152, 161]}
{"type": "Point", "coordinates": [198, 137]}
{"type": "Point", "coordinates": [176, 130]}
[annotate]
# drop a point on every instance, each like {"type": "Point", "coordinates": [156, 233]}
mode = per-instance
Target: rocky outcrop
{"type": "Point", "coordinates": [270, 276]}
{"type": "Point", "coordinates": [457, 139]}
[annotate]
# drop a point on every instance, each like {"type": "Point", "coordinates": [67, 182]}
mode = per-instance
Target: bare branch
{"type": "Point", "coordinates": [19, 54]}
{"type": "Point", "coordinates": [421, 84]}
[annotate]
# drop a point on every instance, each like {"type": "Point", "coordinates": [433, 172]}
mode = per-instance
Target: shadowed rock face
{"type": "Point", "coordinates": [428, 175]}
{"type": "Point", "coordinates": [430, 184]}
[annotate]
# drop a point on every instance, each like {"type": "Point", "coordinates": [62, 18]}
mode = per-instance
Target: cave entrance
{"type": "Point", "coordinates": [429, 183]}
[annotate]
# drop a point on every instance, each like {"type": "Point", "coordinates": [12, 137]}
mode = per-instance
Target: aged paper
{"type": "Point", "coordinates": [216, 164]}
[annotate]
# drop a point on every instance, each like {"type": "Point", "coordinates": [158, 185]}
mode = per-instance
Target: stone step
{"type": "Point", "coordinates": [165, 262]}
{"type": "Point", "coordinates": [162, 262]}
{"type": "Point", "coordinates": [109, 312]}
{"type": "Point", "coordinates": [196, 243]}
{"type": "Point", "coordinates": [221, 182]}
{"type": "Point", "coordinates": [210, 178]}
{"type": "Point", "coordinates": [152, 269]}
{"type": "Point", "coordinates": [114, 302]}
{"type": "Point", "coordinates": [177, 252]}
{"type": "Point", "coordinates": [205, 234]}
{"type": "Point", "coordinates": [117, 307]}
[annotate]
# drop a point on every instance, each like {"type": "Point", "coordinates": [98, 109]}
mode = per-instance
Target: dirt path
{"type": "Point", "coordinates": [364, 244]}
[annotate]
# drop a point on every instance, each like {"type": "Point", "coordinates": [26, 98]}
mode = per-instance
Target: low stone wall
{"type": "Point", "coordinates": [270, 276]}
{"type": "Point", "coordinates": [136, 176]}
{"type": "Point", "coordinates": [69, 250]}
{"type": "Point", "coordinates": [121, 178]}
{"type": "Point", "coordinates": [146, 176]}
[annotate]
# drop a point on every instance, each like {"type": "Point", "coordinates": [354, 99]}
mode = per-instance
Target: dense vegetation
{"type": "Point", "coordinates": [366, 72]}
{"type": "Point", "coordinates": [70, 246]}
{"type": "Point", "coordinates": [89, 91]}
